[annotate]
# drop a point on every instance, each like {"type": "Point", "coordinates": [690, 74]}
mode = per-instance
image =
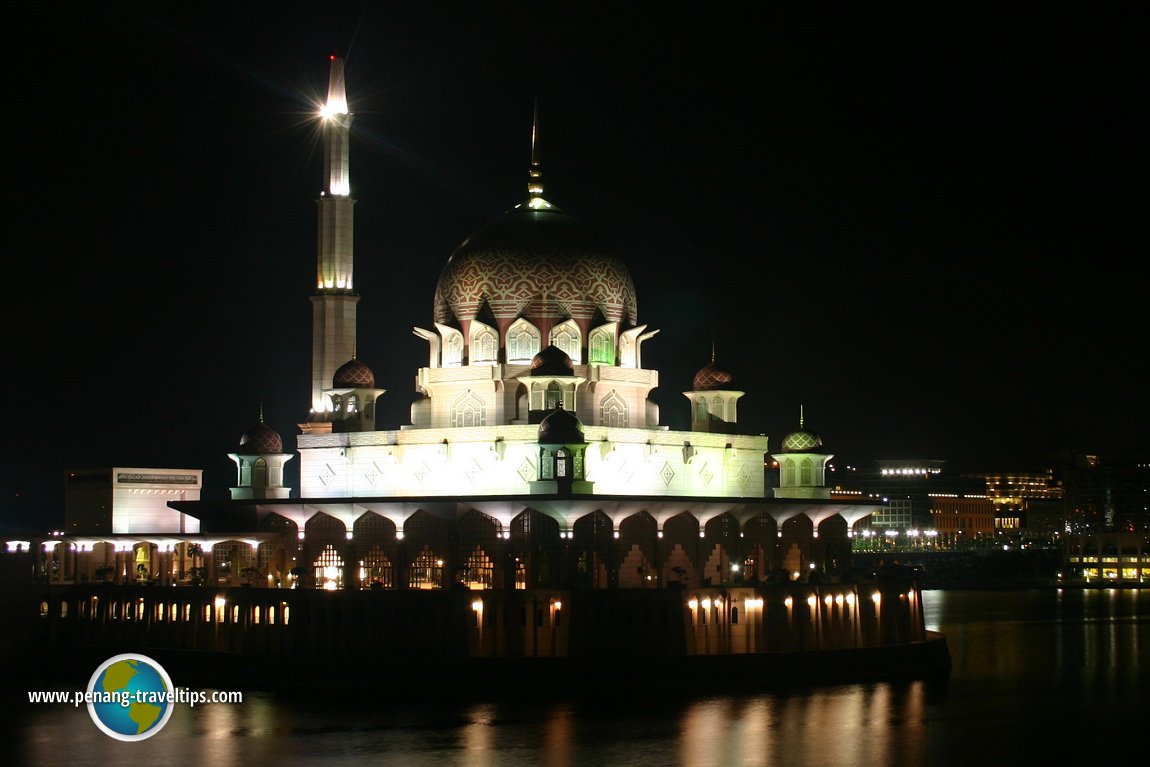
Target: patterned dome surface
{"type": "Point", "coordinates": [261, 439]}
{"type": "Point", "coordinates": [711, 377]}
{"type": "Point", "coordinates": [535, 263]}
{"type": "Point", "coordinates": [801, 441]}
{"type": "Point", "coordinates": [552, 361]}
{"type": "Point", "coordinates": [353, 374]}
{"type": "Point", "coordinates": [561, 428]}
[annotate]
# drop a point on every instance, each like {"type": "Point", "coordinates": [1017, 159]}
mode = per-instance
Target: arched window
{"type": "Point", "coordinates": [566, 336]}
{"type": "Point", "coordinates": [352, 404]}
{"type": "Point", "coordinates": [613, 411]}
{"type": "Point", "coordinates": [701, 409]}
{"type": "Point", "coordinates": [562, 463]}
{"type": "Point", "coordinates": [328, 569]}
{"type": "Point", "coordinates": [259, 473]}
{"type": "Point", "coordinates": [601, 346]}
{"type": "Point", "coordinates": [626, 351]}
{"type": "Point", "coordinates": [807, 472]}
{"type": "Point", "coordinates": [522, 341]}
{"type": "Point", "coordinates": [468, 410]}
{"type": "Point", "coordinates": [452, 348]}
{"type": "Point", "coordinates": [484, 344]}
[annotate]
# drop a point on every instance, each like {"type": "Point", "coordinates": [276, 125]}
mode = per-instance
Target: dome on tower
{"type": "Point", "coordinates": [561, 427]}
{"type": "Point", "coordinates": [536, 262]}
{"type": "Point", "coordinates": [552, 361]}
{"type": "Point", "coordinates": [711, 377]}
{"type": "Point", "coordinates": [801, 441]}
{"type": "Point", "coordinates": [261, 438]}
{"type": "Point", "coordinates": [353, 374]}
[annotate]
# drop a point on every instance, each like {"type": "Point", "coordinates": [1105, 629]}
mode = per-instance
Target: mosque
{"type": "Point", "coordinates": [534, 506]}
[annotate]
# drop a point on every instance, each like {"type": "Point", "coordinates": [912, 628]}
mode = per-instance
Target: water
{"type": "Point", "coordinates": [1038, 676]}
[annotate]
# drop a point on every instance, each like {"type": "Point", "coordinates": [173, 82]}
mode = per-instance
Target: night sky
{"type": "Point", "coordinates": [920, 222]}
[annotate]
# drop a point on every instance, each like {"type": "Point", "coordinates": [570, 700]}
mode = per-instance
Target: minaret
{"type": "Point", "coordinates": [260, 460]}
{"type": "Point", "coordinates": [802, 464]}
{"type": "Point", "coordinates": [333, 305]}
{"type": "Point", "coordinates": [713, 399]}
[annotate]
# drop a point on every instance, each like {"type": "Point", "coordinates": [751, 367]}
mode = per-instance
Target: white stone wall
{"type": "Point", "coordinates": [499, 460]}
{"type": "Point", "coordinates": [140, 500]}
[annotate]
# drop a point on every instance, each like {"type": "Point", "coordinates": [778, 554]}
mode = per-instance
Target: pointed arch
{"type": "Point", "coordinates": [613, 411]}
{"type": "Point", "coordinates": [789, 474]}
{"type": "Point", "coordinates": [536, 544]}
{"type": "Point", "coordinates": [484, 344]}
{"type": "Point", "coordinates": [567, 337]}
{"type": "Point", "coordinates": [638, 535]}
{"type": "Point", "coordinates": [468, 410]}
{"type": "Point", "coordinates": [601, 345]}
{"type": "Point", "coordinates": [259, 472]}
{"type": "Point", "coordinates": [523, 341]}
{"type": "Point", "coordinates": [682, 531]}
{"type": "Point", "coordinates": [428, 541]}
{"type": "Point", "coordinates": [593, 549]}
{"type": "Point", "coordinates": [452, 346]}
{"type": "Point", "coordinates": [478, 538]}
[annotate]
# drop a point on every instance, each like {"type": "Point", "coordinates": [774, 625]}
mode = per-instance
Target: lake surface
{"type": "Point", "coordinates": [1039, 676]}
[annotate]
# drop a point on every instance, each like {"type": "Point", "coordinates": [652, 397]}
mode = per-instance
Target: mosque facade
{"type": "Point", "coordinates": [534, 472]}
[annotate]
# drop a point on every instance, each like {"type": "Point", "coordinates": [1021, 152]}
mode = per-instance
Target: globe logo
{"type": "Point", "coordinates": [130, 697]}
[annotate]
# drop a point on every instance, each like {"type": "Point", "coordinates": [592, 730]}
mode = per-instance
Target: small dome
{"type": "Point", "coordinates": [561, 428]}
{"type": "Point", "coordinates": [712, 377]}
{"type": "Point", "coordinates": [353, 374]}
{"type": "Point", "coordinates": [801, 441]}
{"type": "Point", "coordinates": [552, 361]}
{"type": "Point", "coordinates": [261, 439]}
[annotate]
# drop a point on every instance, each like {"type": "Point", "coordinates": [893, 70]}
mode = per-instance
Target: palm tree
{"type": "Point", "coordinates": [196, 552]}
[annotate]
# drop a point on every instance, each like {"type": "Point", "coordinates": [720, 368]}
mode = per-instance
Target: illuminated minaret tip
{"type": "Point", "coordinates": [334, 303]}
{"type": "Point", "coordinates": [336, 122]}
{"type": "Point", "coordinates": [535, 175]}
{"type": "Point", "coordinates": [336, 91]}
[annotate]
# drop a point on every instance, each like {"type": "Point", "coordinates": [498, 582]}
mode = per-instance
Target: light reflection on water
{"type": "Point", "coordinates": [1035, 673]}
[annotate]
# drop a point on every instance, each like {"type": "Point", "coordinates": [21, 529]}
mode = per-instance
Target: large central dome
{"type": "Point", "coordinates": [535, 261]}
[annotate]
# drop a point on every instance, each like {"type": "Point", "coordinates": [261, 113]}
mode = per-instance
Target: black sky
{"type": "Point", "coordinates": [921, 222]}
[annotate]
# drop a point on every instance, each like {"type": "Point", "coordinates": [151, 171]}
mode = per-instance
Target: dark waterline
{"type": "Point", "coordinates": [1038, 675]}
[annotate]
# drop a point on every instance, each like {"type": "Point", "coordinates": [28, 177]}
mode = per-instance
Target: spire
{"type": "Point", "coordinates": [336, 92]}
{"type": "Point", "coordinates": [334, 303]}
{"type": "Point", "coordinates": [535, 175]}
{"type": "Point", "coordinates": [336, 121]}
{"type": "Point", "coordinates": [800, 416]}
{"type": "Point", "coordinates": [261, 411]}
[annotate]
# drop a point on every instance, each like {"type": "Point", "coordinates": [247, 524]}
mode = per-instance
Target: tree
{"type": "Point", "coordinates": [196, 573]}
